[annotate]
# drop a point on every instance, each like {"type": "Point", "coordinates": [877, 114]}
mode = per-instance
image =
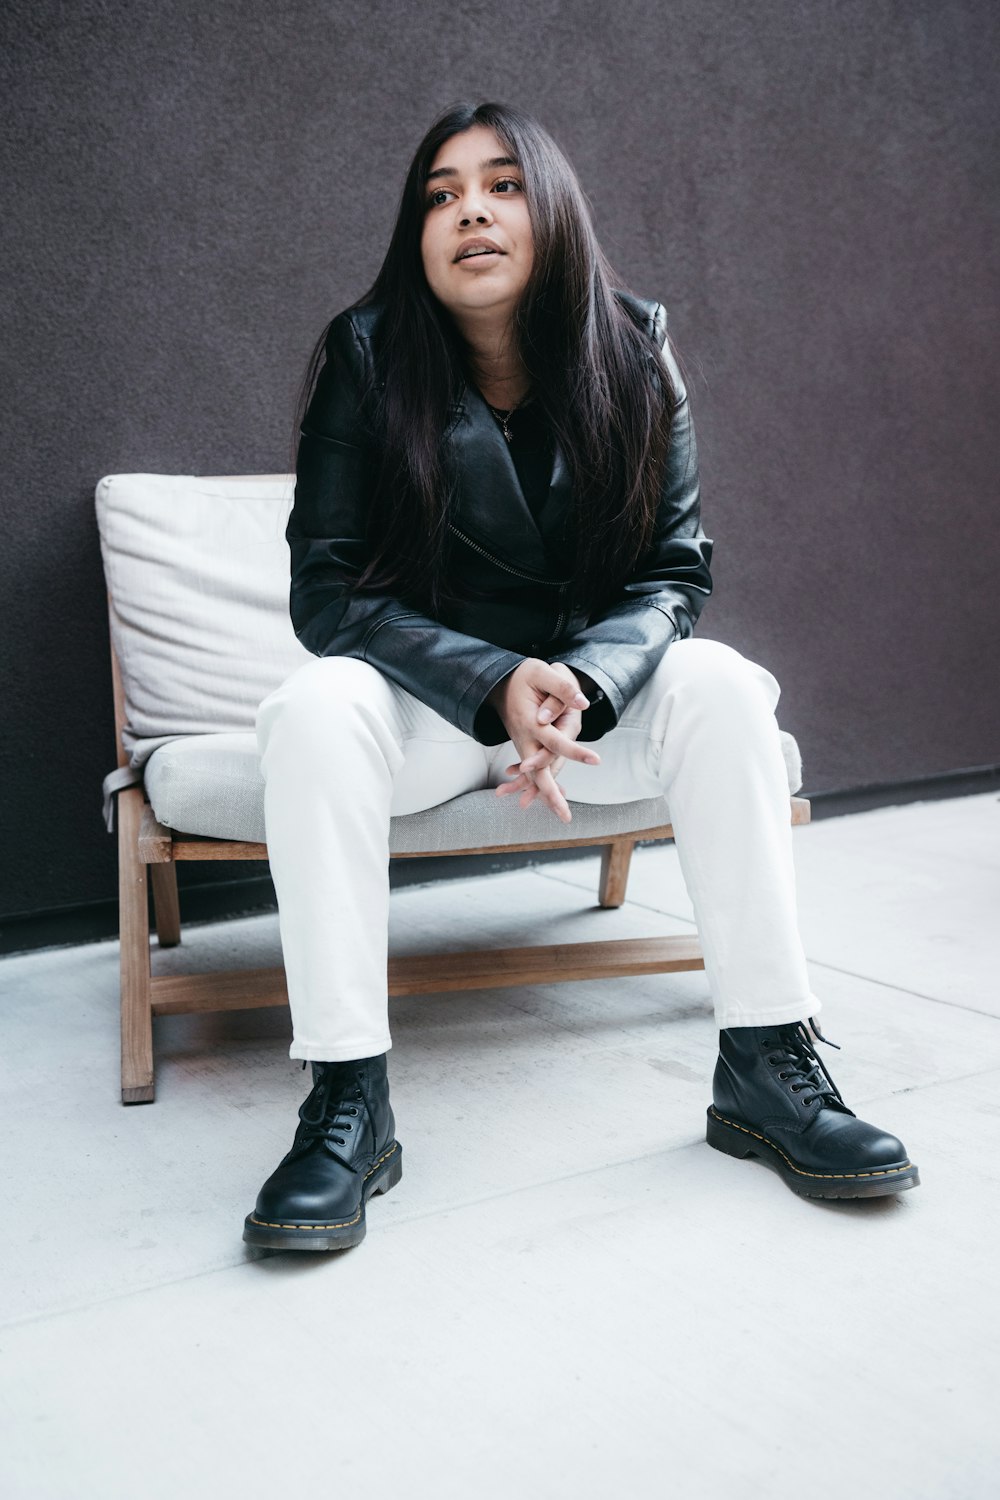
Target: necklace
{"type": "Point", "coordinates": [503, 417]}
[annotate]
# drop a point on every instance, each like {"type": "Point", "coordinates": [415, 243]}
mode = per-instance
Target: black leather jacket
{"type": "Point", "coordinates": [516, 603]}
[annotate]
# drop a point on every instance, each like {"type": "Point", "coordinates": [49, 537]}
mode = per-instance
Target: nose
{"type": "Point", "coordinates": [474, 207]}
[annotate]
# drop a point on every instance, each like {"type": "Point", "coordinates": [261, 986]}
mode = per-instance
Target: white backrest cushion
{"type": "Point", "coordinates": [197, 571]}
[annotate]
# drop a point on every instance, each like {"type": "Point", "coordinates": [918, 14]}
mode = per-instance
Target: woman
{"type": "Point", "coordinates": [497, 561]}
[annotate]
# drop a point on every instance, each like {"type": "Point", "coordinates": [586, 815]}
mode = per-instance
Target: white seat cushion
{"type": "Point", "coordinates": [211, 784]}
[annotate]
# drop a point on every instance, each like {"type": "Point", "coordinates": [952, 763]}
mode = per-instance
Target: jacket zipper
{"type": "Point", "coordinates": [562, 586]}
{"type": "Point", "coordinates": [551, 583]}
{"type": "Point", "coordinates": [561, 619]}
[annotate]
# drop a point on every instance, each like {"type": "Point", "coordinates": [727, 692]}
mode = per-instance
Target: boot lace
{"type": "Point", "coordinates": [329, 1110]}
{"type": "Point", "coordinates": [793, 1052]}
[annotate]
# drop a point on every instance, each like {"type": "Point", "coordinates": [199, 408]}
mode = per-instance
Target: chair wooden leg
{"type": "Point", "coordinates": [615, 861]}
{"type": "Point", "coordinates": [136, 998]}
{"type": "Point", "coordinates": [166, 905]}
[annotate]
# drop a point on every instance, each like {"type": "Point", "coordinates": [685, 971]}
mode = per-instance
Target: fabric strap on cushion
{"type": "Point", "coordinates": [113, 783]}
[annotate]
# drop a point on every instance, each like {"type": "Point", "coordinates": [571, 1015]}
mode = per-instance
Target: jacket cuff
{"type": "Point", "coordinates": [476, 716]}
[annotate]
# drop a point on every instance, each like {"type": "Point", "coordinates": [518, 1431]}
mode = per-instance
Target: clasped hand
{"type": "Point", "coordinates": [542, 706]}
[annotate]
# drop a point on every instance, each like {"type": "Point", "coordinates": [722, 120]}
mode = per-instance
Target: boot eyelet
{"type": "Point", "coordinates": [782, 1075]}
{"type": "Point", "coordinates": [353, 1111]}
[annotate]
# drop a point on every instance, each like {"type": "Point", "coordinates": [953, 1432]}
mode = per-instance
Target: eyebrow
{"type": "Point", "coordinates": [484, 166]}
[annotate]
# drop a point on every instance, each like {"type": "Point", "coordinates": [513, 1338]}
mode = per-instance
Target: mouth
{"type": "Point", "coordinates": [479, 250]}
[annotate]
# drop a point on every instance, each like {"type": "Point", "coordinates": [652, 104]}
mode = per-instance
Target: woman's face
{"type": "Point", "coordinates": [475, 193]}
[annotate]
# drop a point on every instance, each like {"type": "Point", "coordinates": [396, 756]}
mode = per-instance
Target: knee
{"type": "Point", "coordinates": [323, 701]}
{"type": "Point", "coordinates": [715, 674]}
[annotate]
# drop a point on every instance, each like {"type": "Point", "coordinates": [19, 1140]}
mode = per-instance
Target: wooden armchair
{"type": "Point", "coordinates": [188, 785]}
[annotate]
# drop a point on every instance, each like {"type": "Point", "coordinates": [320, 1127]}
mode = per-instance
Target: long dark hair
{"type": "Point", "coordinates": [610, 404]}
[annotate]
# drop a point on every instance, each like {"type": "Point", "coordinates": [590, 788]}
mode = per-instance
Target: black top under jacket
{"type": "Point", "coordinates": [513, 598]}
{"type": "Point", "coordinates": [533, 450]}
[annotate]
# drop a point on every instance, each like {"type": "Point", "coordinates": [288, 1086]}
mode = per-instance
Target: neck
{"type": "Point", "coordinates": [493, 357]}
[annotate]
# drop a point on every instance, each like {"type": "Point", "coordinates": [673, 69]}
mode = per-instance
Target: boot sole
{"type": "Point", "coordinates": [736, 1139]}
{"type": "Point", "coordinates": [306, 1234]}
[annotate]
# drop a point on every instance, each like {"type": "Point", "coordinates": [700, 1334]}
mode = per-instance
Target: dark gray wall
{"type": "Point", "coordinates": [191, 192]}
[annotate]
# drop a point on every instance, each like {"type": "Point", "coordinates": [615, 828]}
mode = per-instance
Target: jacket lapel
{"type": "Point", "coordinates": [490, 503]}
{"type": "Point", "coordinates": [556, 515]}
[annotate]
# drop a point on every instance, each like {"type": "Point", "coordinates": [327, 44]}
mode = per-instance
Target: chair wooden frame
{"type": "Point", "coordinates": [148, 854]}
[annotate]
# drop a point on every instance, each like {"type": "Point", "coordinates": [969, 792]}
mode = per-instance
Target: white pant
{"type": "Point", "coordinates": [343, 748]}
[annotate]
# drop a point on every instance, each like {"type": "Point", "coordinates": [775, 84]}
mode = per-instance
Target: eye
{"type": "Point", "coordinates": [504, 186]}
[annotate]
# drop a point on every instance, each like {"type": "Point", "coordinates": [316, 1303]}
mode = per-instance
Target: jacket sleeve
{"type": "Point", "coordinates": [450, 672]}
{"type": "Point", "coordinates": [660, 602]}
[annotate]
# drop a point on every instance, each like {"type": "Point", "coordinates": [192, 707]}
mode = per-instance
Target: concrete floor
{"type": "Point", "coordinates": [569, 1295]}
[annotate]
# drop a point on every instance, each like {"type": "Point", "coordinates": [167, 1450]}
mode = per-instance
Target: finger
{"type": "Point", "coordinates": [545, 756]}
{"type": "Point", "coordinates": [534, 682]}
{"type": "Point", "coordinates": [536, 753]}
{"type": "Point", "coordinates": [554, 708]}
{"type": "Point", "coordinates": [560, 744]}
{"type": "Point", "coordinates": [531, 770]}
{"type": "Point", "coordinates": [561, 800]}
{"type": "Point", "coordinates": [554, 798]}
{"type": "Point", "coordinates": [546, 788]}
{"type": "Point", "coordinates": [522, 785]}
{"type": "Point", "coordinates": [507, 787]}
{"type": "Point", "coordinates": [558, 683]}
{"type": "Point", "coordinates": [554, 766]}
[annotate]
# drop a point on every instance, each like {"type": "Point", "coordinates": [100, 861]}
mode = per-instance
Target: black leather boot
{"type": "Point", "coordinates": [345, 1149]}
{"type": "Point", "coordinates": [775, 1100]}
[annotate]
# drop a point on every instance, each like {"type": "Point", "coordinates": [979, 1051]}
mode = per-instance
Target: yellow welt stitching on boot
{"type": "Point", "coordinates": [384, 1157]}
{"type": "Point", "coordinates": [346, 1223]}
{"type": "Point", "coordinates": [883, 1172]}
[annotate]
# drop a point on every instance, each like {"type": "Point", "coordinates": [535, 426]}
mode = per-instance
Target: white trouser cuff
{"type": "Point", "coordinates": [775, 1015]}
{"type": "Point", "coordinates": [339, 1051]}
